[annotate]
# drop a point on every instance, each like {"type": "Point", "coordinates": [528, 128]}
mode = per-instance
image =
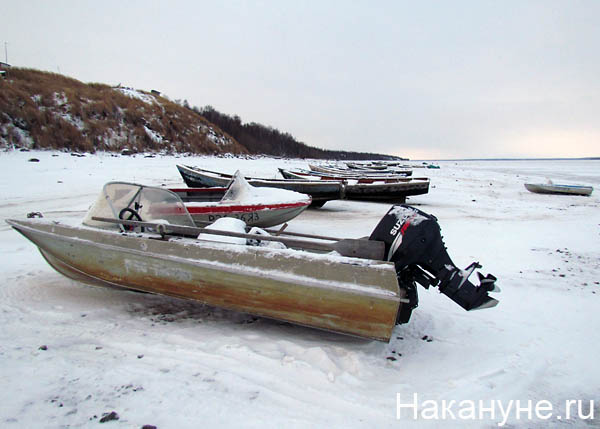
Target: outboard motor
{"type": "Point", "coordinates": [414, 243]}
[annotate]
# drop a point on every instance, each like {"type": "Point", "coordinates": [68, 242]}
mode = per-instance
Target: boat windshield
{"type": "Point", "coordinates": [120, 200]}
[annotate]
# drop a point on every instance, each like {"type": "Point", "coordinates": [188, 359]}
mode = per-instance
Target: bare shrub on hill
{"type": "Point", "coordinates": [50, 111]}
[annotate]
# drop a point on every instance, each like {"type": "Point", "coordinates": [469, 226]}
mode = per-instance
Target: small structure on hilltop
{"type": "Point", "coordinates": [3, 67]}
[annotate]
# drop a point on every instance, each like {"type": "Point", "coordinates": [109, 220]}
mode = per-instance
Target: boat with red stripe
{"type": "Point", "coordinates": [261, 207]}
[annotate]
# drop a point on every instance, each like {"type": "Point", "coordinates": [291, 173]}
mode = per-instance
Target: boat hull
{"type": "Point", "coordinates": [205, 205]}
{"type": "Point", "coordinates": [391, 192]}
{"type": "Point", "coordinates": [344, 295]}
{"type": "Point", "coordinates": [540, 188]}
{"type": "Point", "coordinates": [262, 216]}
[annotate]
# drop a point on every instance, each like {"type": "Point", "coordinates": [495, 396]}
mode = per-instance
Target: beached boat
{"type": "Point", "coordinates": [330, 169]}
{"type": "Point", "coordinates": [551, 188]}
{"type": "Point", "coordinates": [363, 166]}
{"type": "Point", "coordinates": [320, 192]}
{"type": "Point", "coordinates": [143, 238]}
{"type": "Point", "coordinates": [300, 174]}
{"type": "Point", "coordinates": [371, 189]}
{"type": "Point", "coordinates": [388, 192]}
{"type": "Point", "coordinates": [262, 207]}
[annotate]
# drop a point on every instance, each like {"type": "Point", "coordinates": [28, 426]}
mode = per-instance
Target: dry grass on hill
{"type": "Point", "coordinates": [50, 111]}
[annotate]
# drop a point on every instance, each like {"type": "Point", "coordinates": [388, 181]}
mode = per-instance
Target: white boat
{"type": "Point", "coordinates": [256, 206]}
{"type": "Point", "coordinates": [552, 188]}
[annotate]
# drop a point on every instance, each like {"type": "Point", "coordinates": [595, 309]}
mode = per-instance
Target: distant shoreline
{"type": "Point", "coordinates": [510, 159]}
{"type": "Point", "coordinates": [186, 154]}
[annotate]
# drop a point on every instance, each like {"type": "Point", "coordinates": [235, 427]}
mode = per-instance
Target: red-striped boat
{"type": "Point", "coordinates": [262, 207]}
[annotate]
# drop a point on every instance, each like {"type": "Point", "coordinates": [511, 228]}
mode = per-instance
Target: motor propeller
{"type": "Point", "coordinates": [413, 241]}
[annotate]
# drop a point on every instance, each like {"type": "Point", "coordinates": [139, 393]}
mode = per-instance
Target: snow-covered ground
{"type": "Point", "coordinates": [69, 353]}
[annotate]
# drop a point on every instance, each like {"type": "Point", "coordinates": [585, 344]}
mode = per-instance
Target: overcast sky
{"type": "Point", "coordinates": [426, 80]}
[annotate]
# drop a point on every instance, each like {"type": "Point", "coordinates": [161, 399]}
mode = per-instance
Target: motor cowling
{"type": "Point", "coordinates": [413, 241]}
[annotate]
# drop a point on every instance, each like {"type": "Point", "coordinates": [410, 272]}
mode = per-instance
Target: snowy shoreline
{"type": "Point", "coordinates": [170, 363]}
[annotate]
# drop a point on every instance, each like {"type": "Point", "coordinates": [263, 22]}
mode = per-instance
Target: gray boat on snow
{"type": "Point", "coordinates": [143, 238]}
